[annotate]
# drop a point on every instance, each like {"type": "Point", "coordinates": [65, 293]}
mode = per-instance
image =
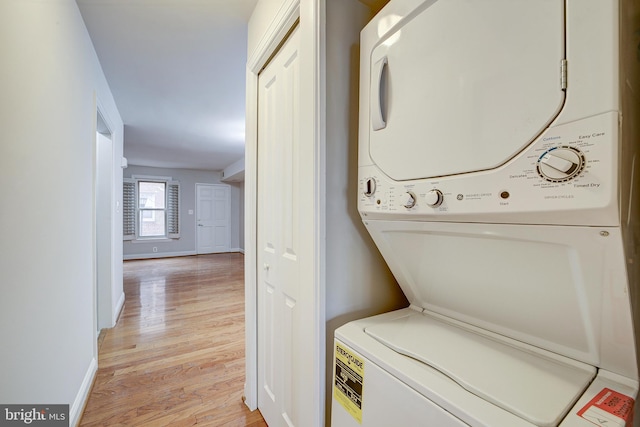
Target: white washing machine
{"type": "Point", "coordinates": [496, 177]}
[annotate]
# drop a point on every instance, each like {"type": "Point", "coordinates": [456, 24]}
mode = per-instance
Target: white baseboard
{"type": "Point", "coordinates": [169, 254]}
{"type": "Point", "coordinates": [118, 309]}
{"type": "Point", "coordinates": [158, 255]}
{"type": "Point", "coordinates": [75, 412]}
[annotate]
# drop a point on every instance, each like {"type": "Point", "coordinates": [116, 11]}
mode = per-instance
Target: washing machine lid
{"type": "Point", "coordinates": [459, 86]}
{"type": "Point", "coordinates": [561, 289]}
{"type": "Point", "coordinates": [536, 386]}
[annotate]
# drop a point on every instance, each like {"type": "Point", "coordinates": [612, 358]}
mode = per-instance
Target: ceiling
{"type": "Point", "coordinates": [176, 69]}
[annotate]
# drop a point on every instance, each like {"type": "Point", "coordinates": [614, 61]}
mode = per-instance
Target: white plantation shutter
{"type": "Point", "coordinates": [173, 209]}
{"type": "Point", "coordinates": [129, 209]}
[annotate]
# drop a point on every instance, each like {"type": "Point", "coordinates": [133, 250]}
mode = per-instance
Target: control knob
{"type": "Point", "coordinates": [369, 187]}
{"type": "Point", "coordinates": [561, 164]}
{"type": "Point", "coordinates": [434, 198]}
{"type": "Point", "coordinates": [410, 200]}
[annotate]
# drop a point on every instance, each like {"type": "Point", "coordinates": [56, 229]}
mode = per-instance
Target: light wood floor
{"type": "Point", "coordinates": [176, 356]}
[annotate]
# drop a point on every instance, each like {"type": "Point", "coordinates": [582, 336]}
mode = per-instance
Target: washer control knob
{"type": "Point", "coordinates": [369, 187]}
{"type": "Point", "coordinates": [561, 164]}
{"type": "Point", "coordinates": [434, 198]}
{"type": "Point", "coordinates": [410, 200]}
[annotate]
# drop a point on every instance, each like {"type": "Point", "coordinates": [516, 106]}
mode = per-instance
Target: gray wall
{"type": "Point", "coordinates": [50, 85]}
{"type": "Point", "coordinates": [186, 244]}
{"type": "Point", "coordinates": [358, 281]}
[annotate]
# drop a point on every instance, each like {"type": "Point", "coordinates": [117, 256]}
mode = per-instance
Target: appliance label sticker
{"type": "Point", "coordinates": [348, 381]}
{"type": "Point", "coordinates": [609, 408]}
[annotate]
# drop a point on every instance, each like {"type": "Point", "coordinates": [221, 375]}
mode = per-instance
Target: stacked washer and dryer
{"type": "Point", "coordinates": [498, 146]}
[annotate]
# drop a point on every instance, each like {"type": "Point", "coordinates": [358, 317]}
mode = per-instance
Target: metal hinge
{"type": "Point", "coordinates": [563, 74]}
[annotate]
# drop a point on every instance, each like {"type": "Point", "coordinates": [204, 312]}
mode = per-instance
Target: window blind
{"type": "Point", "coordinates": [129, 209]}
{"type": "Point", "coordinates": [173, 210]}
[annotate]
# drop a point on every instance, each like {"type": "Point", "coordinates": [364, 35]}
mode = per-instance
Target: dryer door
{"type": "Point", "coordinates": [460, 86]}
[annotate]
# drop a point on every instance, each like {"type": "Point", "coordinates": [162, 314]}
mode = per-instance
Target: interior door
{"type": "Point", "coordinates": [278, 293]}
{"type": "Point", "coordinates": [213, 208]}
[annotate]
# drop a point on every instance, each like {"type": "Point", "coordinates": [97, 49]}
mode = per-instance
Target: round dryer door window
{"type": "Point", "coordinates": [461, 86]}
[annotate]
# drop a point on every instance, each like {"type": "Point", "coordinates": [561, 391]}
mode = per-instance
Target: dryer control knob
{"type": "Point", "coordinates": [434, 198]}
{"type": "Point", "coordinates": [561, 164]}
{"type": "Point", "coordinates": [369, 187]}
{"type": "Point", "coordinates": [410, 200]}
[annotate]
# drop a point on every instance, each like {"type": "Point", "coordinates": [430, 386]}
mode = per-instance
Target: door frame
{"type": "Point", "coordinates": [104, 220]}
{"type": "Point", "coordinates": [311, 17]}
{"type": "Point", "coordinates": [109, 285]}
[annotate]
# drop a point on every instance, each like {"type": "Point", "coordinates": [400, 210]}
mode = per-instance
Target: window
{"type": "Point", "coordinates": [151, 208]}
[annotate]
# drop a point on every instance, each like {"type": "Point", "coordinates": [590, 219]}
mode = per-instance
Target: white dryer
{"type": "Point", "coordinates": [496, 172]}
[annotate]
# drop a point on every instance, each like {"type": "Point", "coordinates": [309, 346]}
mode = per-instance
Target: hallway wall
{"type": "Point", "coordinates": [50, 82]}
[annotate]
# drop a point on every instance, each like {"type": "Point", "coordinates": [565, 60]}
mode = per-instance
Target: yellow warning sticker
{"type": "Point", "coordinates": [349, 381]}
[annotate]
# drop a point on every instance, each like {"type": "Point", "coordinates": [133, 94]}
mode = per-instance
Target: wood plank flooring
{"type": "Point", "coordinates": [176, 356]}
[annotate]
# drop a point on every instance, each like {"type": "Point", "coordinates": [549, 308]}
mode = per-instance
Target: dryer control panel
{"type": "Point", "coordinates": [566, 176]}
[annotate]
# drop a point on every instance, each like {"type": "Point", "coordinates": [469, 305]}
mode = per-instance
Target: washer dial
{"type": "Point", "coordinates": [560, 164]}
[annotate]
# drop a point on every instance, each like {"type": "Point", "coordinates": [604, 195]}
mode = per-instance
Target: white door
{"type": "Point", "coordinates": [279, 307]}
{"type": "Point", "coordinates": [213, 218]}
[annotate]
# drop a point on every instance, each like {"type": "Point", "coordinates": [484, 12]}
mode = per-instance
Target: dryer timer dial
{"type": "Point", "coordinates": [560, 164]}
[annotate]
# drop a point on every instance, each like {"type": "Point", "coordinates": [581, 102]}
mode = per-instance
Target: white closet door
{"type": "Point", "coordinates": [280, 332]}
